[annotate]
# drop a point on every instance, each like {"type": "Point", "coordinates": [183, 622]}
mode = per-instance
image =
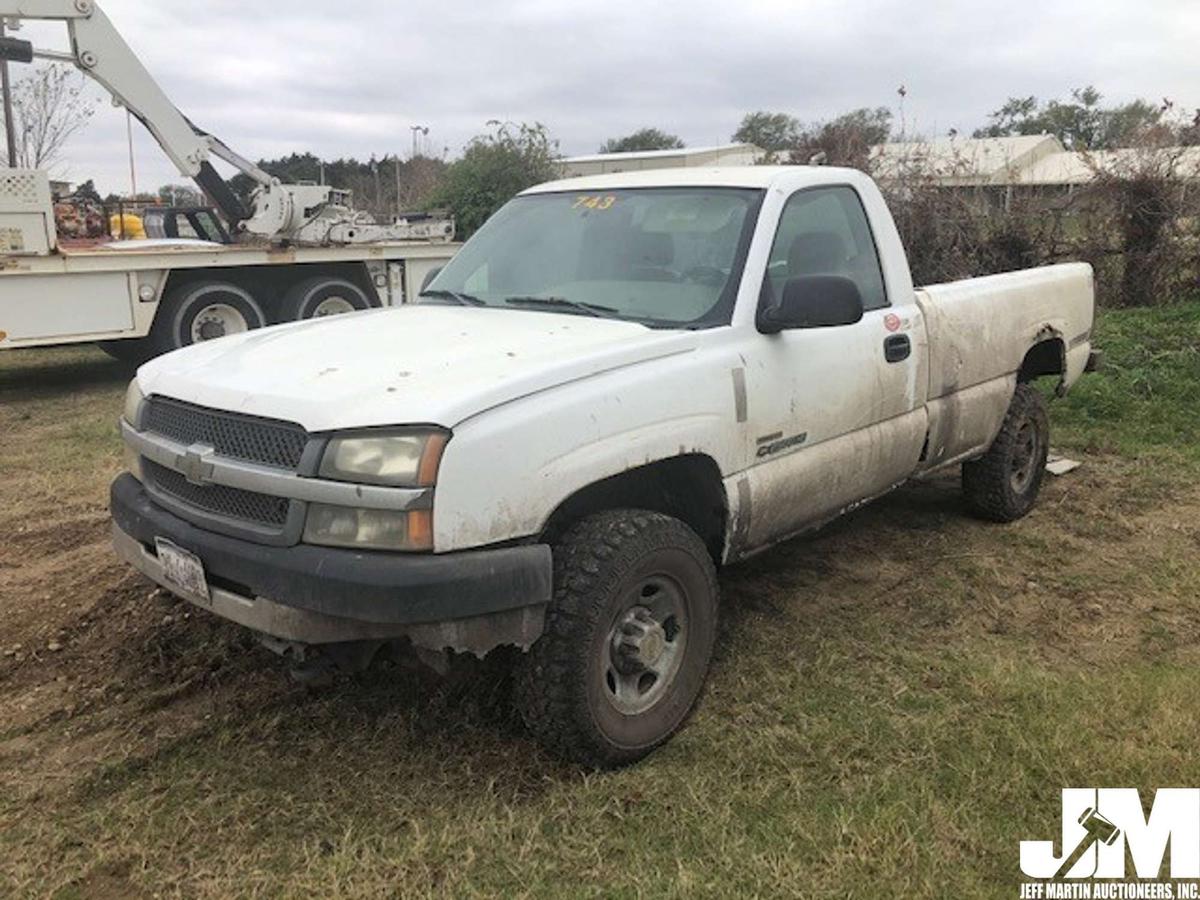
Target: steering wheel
{"type": "Point", "coordinates": [707, 275]}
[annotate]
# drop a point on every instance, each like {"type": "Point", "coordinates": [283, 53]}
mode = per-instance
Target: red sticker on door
{"type": "Point", "coordinates": [891, 322]}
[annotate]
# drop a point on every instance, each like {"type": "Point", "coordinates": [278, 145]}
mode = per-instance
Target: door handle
{"type": "Point", "coordinates": [897, 348]}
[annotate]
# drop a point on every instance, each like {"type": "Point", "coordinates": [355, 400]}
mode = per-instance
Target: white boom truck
{"type": "Point", "coordinates": [298, 250]}
{"type": "Point", "coordinates": [619, 384]}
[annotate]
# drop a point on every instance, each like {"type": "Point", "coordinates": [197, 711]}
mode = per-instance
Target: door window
{"type": "Point", "coordinates": [824, 231]}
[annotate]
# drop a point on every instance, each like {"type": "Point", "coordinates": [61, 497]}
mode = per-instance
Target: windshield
{"type": "Point", "coordinates": [666, 257]}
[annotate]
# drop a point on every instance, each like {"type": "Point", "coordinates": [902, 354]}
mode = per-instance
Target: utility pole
{"type": "Point", "coordinates": [397, 169]}
{"type": "Point", "coordinates": [10, 128]}
{"type": "Point", "coordinates": [378, 184]}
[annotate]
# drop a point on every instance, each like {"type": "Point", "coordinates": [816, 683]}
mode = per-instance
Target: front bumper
{"type": "Point", "coordinates": [471, 601]}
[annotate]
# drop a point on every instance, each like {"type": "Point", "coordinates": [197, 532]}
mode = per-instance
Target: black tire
{"type": "Point", "coordinates": [132, 352]}
{"type": "Point", "coordinates": [312, 298]}
{"type": "Point", "coordinates": [1003, 484]}
{"type": "Point", "coordinates": [183, 319]}
{"type": "Point", "coordinates": [591, 689]}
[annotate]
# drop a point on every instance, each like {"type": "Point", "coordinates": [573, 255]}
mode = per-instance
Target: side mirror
{"type": "Point", "coordinates": [813, 301]}
{"type": "Point", "coordinates": [433, 273]}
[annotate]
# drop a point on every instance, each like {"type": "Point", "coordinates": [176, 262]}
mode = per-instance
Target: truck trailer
{"type": "Point", "coordinates": [290, 252]}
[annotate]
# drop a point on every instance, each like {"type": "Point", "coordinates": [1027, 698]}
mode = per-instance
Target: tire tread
{"type": "Point", "coordinates": [551, 683]}
{"type": "Point", "coordinates": [985, 481]}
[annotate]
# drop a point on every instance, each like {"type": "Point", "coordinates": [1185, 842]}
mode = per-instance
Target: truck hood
{"type": "Point", "coordinates": [435, 365]}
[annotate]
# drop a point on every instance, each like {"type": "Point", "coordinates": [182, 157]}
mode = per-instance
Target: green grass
{"type": "Point", "coordinates": [64, 404]}
{"type": "Point", "coordinates": [896, 701]}
{"type": "Point", "coordinates": [1145, 403]}
{"type": "Point", "coordinates": [917, 768]}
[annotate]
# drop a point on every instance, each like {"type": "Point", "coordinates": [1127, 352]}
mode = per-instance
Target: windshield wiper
{"type": "Point", "coordinates": [587, 309]}
{"type": "Point", "coordinates": [460, 298]}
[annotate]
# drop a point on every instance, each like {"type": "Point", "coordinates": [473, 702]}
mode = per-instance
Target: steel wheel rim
{"type": "Point", "coordinates": [646, 644]}
{"type": "Point", "coordinates": [1025, 456]}
{"type": "Point", "coordinates": [217, 320]}
{"type": "Point", "coordinates": [333, 306]}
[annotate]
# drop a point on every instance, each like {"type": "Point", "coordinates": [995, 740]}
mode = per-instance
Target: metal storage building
{"type": "Point", "coordinates": [604, 163]}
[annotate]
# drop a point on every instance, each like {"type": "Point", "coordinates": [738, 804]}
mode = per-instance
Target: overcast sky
{"type": "Point", "coordinates": [349, 78]}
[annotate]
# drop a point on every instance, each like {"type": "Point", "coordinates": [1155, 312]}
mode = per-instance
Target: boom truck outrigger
{"type": "Point", "coordinates": [297, 250]}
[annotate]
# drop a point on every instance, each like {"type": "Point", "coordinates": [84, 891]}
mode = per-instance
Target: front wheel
{"type": "Point", "coordinates": [628, 640]}
{"type": "Point", "coordinates": [1004, 483]}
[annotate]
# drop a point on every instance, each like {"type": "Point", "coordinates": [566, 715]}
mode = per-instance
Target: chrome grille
{"type": "Point", "coordinates": [263, 441]}
{"type": "Point", "coordinates": [219, 500]}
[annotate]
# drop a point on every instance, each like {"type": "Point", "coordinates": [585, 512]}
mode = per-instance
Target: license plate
{"type": "Point", "coordinates": [183, 571]}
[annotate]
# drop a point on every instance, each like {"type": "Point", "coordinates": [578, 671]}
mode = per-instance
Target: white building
{"type": "Point", "coordinates": [1023, 161]}
{"type": "Point", "coordinates": [1071, 169]}
{"type": "Point", "coordinates": [1005, 162]}
{"type": "Point", "coordinates": [964, 162]}
{"type": "Point", "coordinates": [604, 163]}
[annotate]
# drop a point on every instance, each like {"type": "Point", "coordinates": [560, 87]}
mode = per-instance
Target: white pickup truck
{"type": "Point", "coordinates": [619, 384]}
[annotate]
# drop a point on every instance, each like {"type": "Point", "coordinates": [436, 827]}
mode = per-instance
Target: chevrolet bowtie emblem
{"type": "Point", "coordinates": [196, 464]}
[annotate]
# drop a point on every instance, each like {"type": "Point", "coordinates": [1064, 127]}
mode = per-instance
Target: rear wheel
{"type": "Point", "coordinates": [628, 639]}
{"type": "Point", "coordinates": [132, 352]}
{"type": "Point", "coordinates": [319, 297]}
{"type": "Point", "coordinates": [1003, 484]}
{"type": "Point", "coordinates": [204, 311]}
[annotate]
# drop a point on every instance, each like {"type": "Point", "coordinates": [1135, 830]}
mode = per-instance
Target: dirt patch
{"type": "Point", "coordinates": [47, 539]}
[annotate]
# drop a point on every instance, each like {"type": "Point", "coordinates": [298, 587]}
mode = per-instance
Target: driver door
{"type": "Point", "coordinates": [836, 415]}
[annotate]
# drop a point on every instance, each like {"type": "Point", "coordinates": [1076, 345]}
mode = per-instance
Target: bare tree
{"type": "Point", "coordinates": [49, 107]}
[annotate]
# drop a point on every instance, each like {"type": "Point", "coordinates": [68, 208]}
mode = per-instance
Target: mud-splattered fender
{"type": "Point", "coordinates": [507, 470]}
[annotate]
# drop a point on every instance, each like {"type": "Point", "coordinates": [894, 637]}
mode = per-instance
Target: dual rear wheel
{"type": "Point", "coordinates": [209, 309]}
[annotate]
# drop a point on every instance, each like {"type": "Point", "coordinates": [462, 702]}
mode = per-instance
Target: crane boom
{"type": "Point", "coordinates": [100, 52]}
{"type": "Point", "coordinates": [277, 211]}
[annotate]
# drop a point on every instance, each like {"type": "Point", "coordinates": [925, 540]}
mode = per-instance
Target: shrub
{"type": "Point", "coordinates": [1135, 222]}
{"type": "Point", "coordinates": [495, 168]}
{"type": "Point", "coordinates": [1142, 210]}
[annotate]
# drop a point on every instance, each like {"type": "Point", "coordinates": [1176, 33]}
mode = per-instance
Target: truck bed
{"type": "Point", "coordinates": [981, 332]}
{"type": "Point", "coordinates": [980, 329]}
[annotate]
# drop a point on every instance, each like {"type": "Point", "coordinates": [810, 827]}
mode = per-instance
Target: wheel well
{"type": "Point", "coordinates": [689, 488]}
{"type": "Point", "coordinates": [268, 284]}
{"type": "Point", "coordinates": [1048, 357]}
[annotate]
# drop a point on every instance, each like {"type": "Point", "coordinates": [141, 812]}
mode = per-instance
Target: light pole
{"type": "Point", "coordinates": [422, 130]}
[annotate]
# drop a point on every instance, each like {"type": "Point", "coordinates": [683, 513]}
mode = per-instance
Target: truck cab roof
{"type": "Point", "coordinates": [762, 177]}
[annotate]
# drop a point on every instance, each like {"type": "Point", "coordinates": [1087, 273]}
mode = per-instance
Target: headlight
{"type": "Point", "coordinates": [396, 459]}
{"type": "Point", "coordinates": [134, 399]}
{"type": "Point", "coordinates": [369, 529]}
